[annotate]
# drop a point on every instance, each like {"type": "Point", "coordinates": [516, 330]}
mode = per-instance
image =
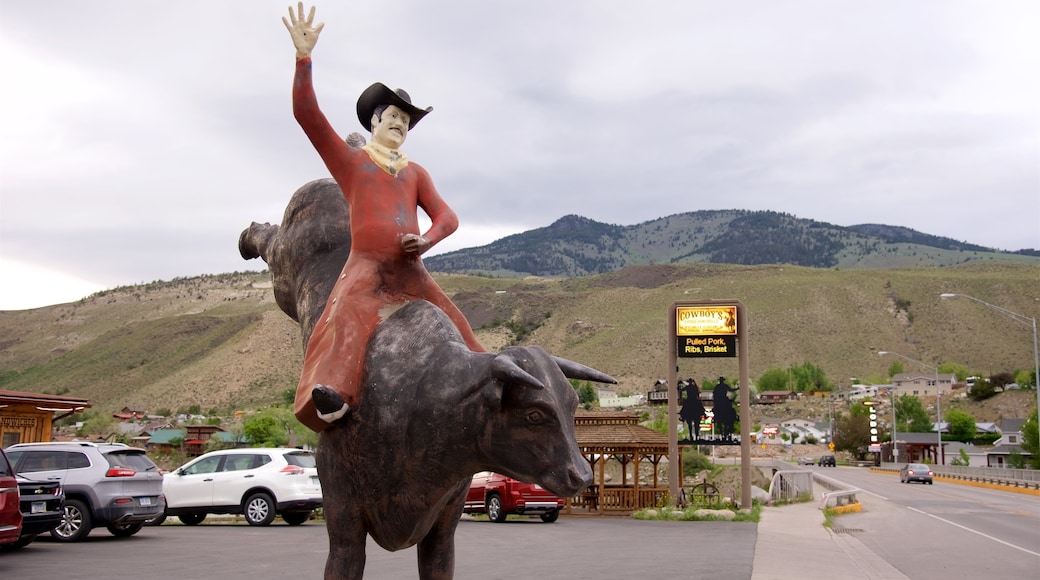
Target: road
{"type": "Point", "coordinates": [944, 530]}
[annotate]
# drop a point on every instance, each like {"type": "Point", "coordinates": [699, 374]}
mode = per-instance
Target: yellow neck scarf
{"type": "Point", "coordinates": [390, 160]}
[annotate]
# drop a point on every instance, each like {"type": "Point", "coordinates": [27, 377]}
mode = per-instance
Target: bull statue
{"type": "Point", "coordinates": [434, 412]}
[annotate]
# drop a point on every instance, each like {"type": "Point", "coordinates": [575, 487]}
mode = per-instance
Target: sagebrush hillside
{"type": "Point", "coordinates": [221, 342]}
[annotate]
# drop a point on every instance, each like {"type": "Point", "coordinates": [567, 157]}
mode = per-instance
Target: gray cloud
{"type": "Point", "coordinates": [142, 137]}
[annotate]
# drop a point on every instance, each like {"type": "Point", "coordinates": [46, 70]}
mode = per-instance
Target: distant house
{"type": "Point", "coordinates": [162, 440]}
{"type": "Point", "coordinates": [800, 430]}
{"type": "Point", "coordinates": [1010, 443]}
{"type": "Point", "coordinates": [775, 397]}
{"type": "Point", "coordinates": [924, 384]}
{"type": "Point", "coordinates": [976, 455]}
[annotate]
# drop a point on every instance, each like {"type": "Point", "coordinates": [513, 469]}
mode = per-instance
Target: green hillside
{"type": "Point", "coordinates": [220, 341]}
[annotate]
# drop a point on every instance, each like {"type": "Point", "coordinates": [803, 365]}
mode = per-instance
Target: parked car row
{"type": "Point", "coordinates": [68, 489]}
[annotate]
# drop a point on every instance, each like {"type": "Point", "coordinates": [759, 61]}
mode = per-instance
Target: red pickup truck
{"type": "Point", "coordinates": [498, 496]}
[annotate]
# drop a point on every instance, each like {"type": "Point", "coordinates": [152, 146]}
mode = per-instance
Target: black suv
{"type": "Point", "coordinates": [105, 484]}
{"type": "Point", "coordinates": [43, 507]}
{"type": "Point", "coordinates": [827, 461]}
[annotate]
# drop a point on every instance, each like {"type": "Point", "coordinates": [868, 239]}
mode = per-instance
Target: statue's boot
{"type": "Point", "coordinates": [329, 404]}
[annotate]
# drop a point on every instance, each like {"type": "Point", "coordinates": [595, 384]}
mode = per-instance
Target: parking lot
{"type": "Point", "coordinates": [570, 548]}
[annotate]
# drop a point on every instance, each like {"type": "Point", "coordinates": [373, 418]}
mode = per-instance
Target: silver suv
{"type": "Point", "coordinates": [106, 484]}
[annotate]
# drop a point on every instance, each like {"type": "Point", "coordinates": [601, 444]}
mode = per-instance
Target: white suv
{"type": "Point", "coordinates": [258, 483]}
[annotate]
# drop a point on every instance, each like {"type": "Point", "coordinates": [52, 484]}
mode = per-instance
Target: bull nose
{"type": "Point", "coordinates": [579, 476]}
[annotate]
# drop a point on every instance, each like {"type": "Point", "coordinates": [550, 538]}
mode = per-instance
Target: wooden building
{"type": "Point", "coordinates": [28, 417]}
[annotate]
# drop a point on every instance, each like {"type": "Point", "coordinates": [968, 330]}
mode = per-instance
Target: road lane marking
{"type": "Point", "coordinates": [967, 529]}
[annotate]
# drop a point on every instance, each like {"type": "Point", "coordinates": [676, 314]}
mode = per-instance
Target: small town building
{"type": "Point", "coordinates": [776, 397]}
{"type": "Point", "coordinates": [924, 384]}
{"type": "Point", "coordinates": [29, 417]}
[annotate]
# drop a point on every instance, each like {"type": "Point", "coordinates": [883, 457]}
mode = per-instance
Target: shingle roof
{"type": "Point", "coordinates": [164, 436]}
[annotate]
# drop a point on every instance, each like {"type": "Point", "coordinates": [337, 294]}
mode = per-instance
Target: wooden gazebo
{"type": "Point", "coordinates": [618, 436]}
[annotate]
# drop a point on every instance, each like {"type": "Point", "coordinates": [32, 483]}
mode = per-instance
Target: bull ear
{"type": "Point", "coordinates": [573, 370]}
{"type": "Point", "coordinates": [505, 368]}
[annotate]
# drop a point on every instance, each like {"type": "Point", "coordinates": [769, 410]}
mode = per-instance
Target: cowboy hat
{"type": "Point", "coordinates": [380, 94]}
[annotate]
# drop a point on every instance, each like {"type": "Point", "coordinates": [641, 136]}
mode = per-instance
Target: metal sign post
{"type": "Point", "coordinates": [703, 329]}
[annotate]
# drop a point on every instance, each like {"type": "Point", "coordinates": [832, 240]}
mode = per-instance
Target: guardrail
{"type": "Point", "coordinates": [789, 485]}
{"type": "Point", "coordinates": [841, 498]}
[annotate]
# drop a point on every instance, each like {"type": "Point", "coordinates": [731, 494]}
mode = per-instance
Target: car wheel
{"type": "Point", "coordinates": [191, 519]}
{"type": "Point", "coordinates": [124, 530]}
{"type": "Point", "coordinates": [75, 524]}
{"type": "Point", "coordinates": [259, 509]}
{"type": "Point", "coordinates": [495, 512]}
{"type": "Point", "coordinates": [929, 482]}
{"type": "Point", "coordinates": [296, 518]}
{"type": "Point", "coordinates": [550, 517]}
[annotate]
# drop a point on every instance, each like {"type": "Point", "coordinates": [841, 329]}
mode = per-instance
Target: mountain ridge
{"type": "Point", "coordinates": [578, 246]}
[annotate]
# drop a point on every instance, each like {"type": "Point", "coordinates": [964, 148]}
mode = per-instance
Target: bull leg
{"type": "Point", "coordinates": [347, 539]}
{"type": "Point", "coordinates": [437, 549]}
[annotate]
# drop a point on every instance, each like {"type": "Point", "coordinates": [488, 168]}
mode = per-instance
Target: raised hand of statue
{"type": "Point", "coordinates": [415, 245]}
{"type": "Point", "coordinates": [304, 33]}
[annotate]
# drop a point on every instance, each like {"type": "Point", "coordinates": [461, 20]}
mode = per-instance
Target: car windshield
{"type": "Point", "coordinates": [134, 459]}
{"type": "Point", "coordinates": [918, 466]}
{"type": "Point", "coordinates": [300, 459]}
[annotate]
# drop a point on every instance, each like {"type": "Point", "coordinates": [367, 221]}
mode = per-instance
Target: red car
{"type": "Point", "coordinates": [498, 496]}
{"type": "Point", "coordinates": [10, 510]}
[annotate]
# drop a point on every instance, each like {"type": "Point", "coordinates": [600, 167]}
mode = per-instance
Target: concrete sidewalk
{"type": "Point", "coordinates": [793, 545]}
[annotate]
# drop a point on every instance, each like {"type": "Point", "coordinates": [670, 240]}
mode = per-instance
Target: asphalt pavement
{"type": "Point", "coordinates": [790, 542]}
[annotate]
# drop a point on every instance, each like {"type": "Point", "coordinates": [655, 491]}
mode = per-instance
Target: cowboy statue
{"type": "Point", "coordinates": [384, 269]}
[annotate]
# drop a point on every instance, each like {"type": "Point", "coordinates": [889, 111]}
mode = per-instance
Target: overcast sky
{"type": "Point", "coordinates": [139, 138]}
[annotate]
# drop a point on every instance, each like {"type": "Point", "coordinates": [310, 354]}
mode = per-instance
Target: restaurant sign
{"type": "Point", "coordinates": [706, 331]}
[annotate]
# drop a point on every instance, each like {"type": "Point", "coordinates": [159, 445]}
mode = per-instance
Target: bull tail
{"type": "Point", "coordinates": [255, 241]}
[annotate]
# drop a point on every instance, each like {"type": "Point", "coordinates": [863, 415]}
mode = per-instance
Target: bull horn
{"type": "Point", "coordinates": [505, 369]}
{"type": "Point", "coordinates": [573, 370]}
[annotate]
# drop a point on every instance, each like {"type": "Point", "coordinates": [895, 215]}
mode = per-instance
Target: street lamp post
{"type": "Point", "coordinates": [938, 397]}
{"type": "Point", "coordinates": [1018, 318]}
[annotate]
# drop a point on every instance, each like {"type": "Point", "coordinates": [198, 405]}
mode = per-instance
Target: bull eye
{"type": "Point", "coordinates": [536, 416]}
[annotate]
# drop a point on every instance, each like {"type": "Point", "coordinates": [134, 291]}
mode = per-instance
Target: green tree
{"type": "Point", "coordinates": [858, 409]}
{"type": "Point", "coordinates": [914, 418]}
{"type": "Point", "coordinates": [774, 380]}
{"type": "Point", "coordinates": [1026, 377]}
{"type": "Point", "coordinates": [1001, 380]}
{"type": "Point", "coordinates": [852, 434]}
{"type": "Point", "coordinates": [896, 368]}
{"type": "Point", "coordinates": [96, 425]}
{"type": "Point", "coordinates": [289, 396]}
{"type": "Point", "coordinates": [1031, 440]}
{"type": "Point", "coordinates": [958, 370]}
{"type": "Point", "coordinates": [961, 425]}
{"type": "Point", "coordinates": [981, 390]}
{"type": "Point", "coordinates": [962, 460]}
{"type": "Point", "coordinates": [809, 377]}
{"type": "Point", "coordinates": [264, 429]}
